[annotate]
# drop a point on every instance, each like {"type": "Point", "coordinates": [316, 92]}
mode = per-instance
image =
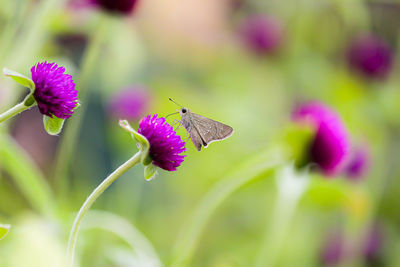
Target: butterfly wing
{"type": "Point", "coordinates": [209, 130]}
{"type": "Point", "coordinates": [196, 139]}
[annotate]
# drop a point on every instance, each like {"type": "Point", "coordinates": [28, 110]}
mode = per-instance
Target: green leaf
{"type": "Point", "coordinates": [53, 126]}
{"type": "Point", "coordinates": [150, 172]}
{"type": "Point", "coordinates": [141, 140]}
{"type": "Point", "coordinates": [26, 175]}
{"type": "Point", "coordinates": [4, 228]}
{"type": "Point", "coordinates": [19, 78]}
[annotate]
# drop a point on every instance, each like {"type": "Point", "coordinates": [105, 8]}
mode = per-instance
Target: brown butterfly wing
{"type": "Point", "coordinates": [196, 139]}
{"type": "Point", "coordinates": [210, 130]}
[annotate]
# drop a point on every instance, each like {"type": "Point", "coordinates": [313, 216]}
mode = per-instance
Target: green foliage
{"type": "Point", "coordinates": [4, 229]}
{"type": "Point", "coordinates": [19, 78]}
{"type": "Point", "coordinates": [53, 125]}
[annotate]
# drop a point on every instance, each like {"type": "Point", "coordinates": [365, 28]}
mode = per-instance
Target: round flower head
{"type": "Point", "coordinates": [261, 34]}
{"type": "Point", "coordinates": [165, 145]}
{"type": "Point", "coordinates": [370, 56]}
{"type": "Point", "coordinates": [358, 164]}
{"type": "Point", "coordinates": [55, 91]}
{"type": "Point", "coordinates": [129, 104]}
{"type": "Point", "coordinates": [123, 7]}
{"type": "Point", "coordinates": [329, 147]}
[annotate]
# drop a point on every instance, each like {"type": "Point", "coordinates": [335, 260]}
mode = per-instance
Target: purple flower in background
{"type": "Point", "coordinates": [373, 244]}
{"type": "Point", "coordinates": [55, 91]}
{"type": "Point", "coordinates": [358, 164]}
{"type": "Point", "coordinates": [123, 7]}
{"type": "Point", "coordinates": [370, 56]}
{"type": "Point", "coordinates": [262, 34]}
{"type": "Point", "coordinates": [165, 145]}
{"type": "Point", "coordinates": [330, 146]}
{"type": "Point", "coordinates": [333, 249]}
{"type": "Point", "coordinates": [337, 247]}
{"type": "Point", "coordinates": [129, 104]}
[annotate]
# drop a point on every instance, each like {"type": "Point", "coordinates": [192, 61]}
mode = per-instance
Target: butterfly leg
{"type": "Point", "coordinates": [187, 137]}
{"type": "Point", "coordinates": [177, 122]}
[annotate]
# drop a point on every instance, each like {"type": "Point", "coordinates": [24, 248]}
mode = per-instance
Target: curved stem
{"type": "Point", "coordinates": [13, 111]}
{"type": "Point", "coordinates": [91, 199]}
{"type": "Point", "coordinates": [188, 238]}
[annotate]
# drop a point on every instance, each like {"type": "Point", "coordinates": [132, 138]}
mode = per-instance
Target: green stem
{"type": "Point", "coordinates": [276, 232]}
{"type": "Point", "coordinates": [34, 35]}
{"type": "Point", "coordinates": [291, 186]}
{"type": "Point", "coordinates": [27, 176]}
{"type": "Point", "coordinates": [11, 28]}
{"type": "Point", "coordinates": [71, 131]}
{"type": "Point", "coordinates": [13, 111]}
{"type": "Point", "coordinates": [189, 236]}
{"type": "Point", "coordinates": [91, 199]}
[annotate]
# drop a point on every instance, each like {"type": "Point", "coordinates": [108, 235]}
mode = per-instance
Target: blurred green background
{"type": "Point", "coordinates": [196, 53]}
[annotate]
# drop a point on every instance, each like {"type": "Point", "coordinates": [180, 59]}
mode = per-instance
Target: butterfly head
{"type": "Point", "coordinates": [183, 111]}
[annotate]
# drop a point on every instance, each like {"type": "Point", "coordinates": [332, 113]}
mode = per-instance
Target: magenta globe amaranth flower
{"type": "Point", "coordinates": [329, 146]}
{"type": "Point", "coordinates": [370, 56]}
{"type": "Point", "coordinates": [262, 34]}
{"type": "Point", "coordinates": [123, 7]}
{"type": "Point", "coordinates": [55, 91]}
{"type": "Point", "coordinates": [165, 145]}
{"type": "Point", "coordinates": [129, 104]}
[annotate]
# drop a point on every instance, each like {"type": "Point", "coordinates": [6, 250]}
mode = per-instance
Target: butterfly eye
{"type": "Point", "coordinates": [184, 110]}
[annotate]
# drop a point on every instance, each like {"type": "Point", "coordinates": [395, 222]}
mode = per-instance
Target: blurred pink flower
{"type": "Point", "coordinates": [371, 56]}
{"type": "Point", "coordinates": [329, 147]}
{"type": "Point", "coordinates": [337, 249]}
{"type": "Point", "coordinates": [262, 34]}
{"type": "Point", "coordinates": [129, 104]}
{"type": "Point", "coordinates": [358, 164]}
{"type": "Point", "coordinates": [122, 7]}
{"type": "Point", "coordinates": [333, 249]}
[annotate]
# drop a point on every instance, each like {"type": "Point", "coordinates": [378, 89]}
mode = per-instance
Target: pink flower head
{"type": "Point", "coordinates": [330, 145]}
{"type": "Point", "coordinates": [55, 91]}
{"type": "Point", "coordinates": [165, 145]}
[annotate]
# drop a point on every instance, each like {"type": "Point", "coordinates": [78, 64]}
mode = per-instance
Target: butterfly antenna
{"type": "Point", "coordinates": [175, 102]}
{"type": "Point", "coordinates": [171, 114]}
